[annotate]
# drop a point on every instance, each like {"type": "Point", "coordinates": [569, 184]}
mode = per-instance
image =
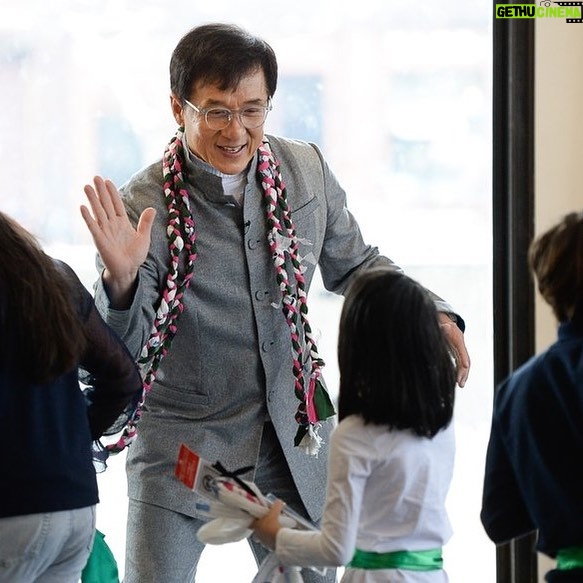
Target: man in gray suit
{"type": "Point", "coordinates": [207, 258]}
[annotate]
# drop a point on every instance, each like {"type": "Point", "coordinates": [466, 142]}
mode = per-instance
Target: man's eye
{"type": "Point", "coordinates": [218, 113]}
{"type": "Point", "coordinates": [253, 111]}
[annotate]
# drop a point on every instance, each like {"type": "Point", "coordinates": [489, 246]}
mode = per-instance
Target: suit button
{"type": "Point", "coordinates": [267, 345]}
{"type": "Point", "coordinates": [261, 295]}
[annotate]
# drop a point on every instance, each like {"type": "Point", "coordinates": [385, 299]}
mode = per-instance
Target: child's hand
{"type": "Point", "coordinates": [266, 528]}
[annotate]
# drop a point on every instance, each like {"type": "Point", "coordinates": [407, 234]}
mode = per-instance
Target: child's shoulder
{"type": "Point", "coordinates": [355, 424]}
{"type": "Point", "coordinates": [350, 421]}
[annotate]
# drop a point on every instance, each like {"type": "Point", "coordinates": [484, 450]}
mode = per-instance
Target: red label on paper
{"type": "Point", "coordinates": [186, 466]}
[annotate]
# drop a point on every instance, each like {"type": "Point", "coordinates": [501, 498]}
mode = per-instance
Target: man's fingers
{"type": "Point", "coordinates": [99, 214]}
{"type": "Point", "coordinates": [115, 199]}
{"type": "Point", "coordinates": [104, 189]}
{"type": "Point", "coordinates": [146, 221]}
{"type": "Point", "coordinates": [89, 220]}
{"type": "Point", "coordinates": [462, 359]}
{"type": "Point", "coordinates": [462, 374]}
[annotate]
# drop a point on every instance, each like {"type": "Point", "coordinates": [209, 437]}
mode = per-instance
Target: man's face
{"type": "Point", "coordinates": [229, 150]}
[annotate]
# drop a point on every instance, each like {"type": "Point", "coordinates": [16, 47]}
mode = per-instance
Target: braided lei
{"type": "Point", "coordinates": [315, 405]}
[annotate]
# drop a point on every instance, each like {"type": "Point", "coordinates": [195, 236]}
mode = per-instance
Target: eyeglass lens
{"type": "Point", "coordinates": [250, 117]}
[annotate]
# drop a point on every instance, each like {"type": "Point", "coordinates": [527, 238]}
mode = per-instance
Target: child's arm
{"type": "Point", "coordinates": [266, 528]}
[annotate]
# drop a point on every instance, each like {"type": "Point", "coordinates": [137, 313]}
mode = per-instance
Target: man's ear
{"type": "Point", "coordinates": [177, 109]}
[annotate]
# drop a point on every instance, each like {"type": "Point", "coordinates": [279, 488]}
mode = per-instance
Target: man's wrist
{"type": "Point", "coordinates": [120, 291]}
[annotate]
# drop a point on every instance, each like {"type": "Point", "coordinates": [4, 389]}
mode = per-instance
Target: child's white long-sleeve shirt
{"type": "Point", "coordinates": [386, 492]}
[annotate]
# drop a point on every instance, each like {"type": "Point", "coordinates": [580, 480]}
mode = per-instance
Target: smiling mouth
{"type": "Point", "coordinates": [232, 150]}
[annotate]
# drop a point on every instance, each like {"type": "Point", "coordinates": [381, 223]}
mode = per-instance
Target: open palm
{"type": "Point", "coordinates": [122, 247]}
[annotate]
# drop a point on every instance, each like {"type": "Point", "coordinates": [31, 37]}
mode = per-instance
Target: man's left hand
{"type": "Point", "coordinates": [458, 347]}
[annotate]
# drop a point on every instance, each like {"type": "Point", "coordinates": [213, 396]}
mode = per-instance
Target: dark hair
{"type": "Point", "coordinates": [395, 364]}
{"type": "Point", "coordinates": [556, 259]}
{"type": "Point", "coordinates": [41, 335]}
{"type": "Point", "coordinates": [219, 54]}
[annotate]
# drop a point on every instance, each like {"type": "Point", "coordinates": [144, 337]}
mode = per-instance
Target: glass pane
{"type": "Point", "coordinates": [397, 94]}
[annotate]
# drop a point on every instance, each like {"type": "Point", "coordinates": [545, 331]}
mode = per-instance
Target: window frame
{"type": "Point", "coordinates": [513, 229]}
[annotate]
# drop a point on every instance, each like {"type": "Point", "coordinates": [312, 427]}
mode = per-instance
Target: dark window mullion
{"type": "Point", "coordinates": [513, 224]}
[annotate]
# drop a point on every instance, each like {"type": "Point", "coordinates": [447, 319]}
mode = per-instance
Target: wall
{"type": "Point", "coordinates": [558, 144]}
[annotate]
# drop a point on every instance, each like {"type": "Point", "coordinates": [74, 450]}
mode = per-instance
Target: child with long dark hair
{"type": "Point", "coordinates": [49, 330]}
{"type": "Point", "coordinates": [392, 453]}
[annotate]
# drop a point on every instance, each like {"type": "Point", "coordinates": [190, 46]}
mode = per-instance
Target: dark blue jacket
{"type": "Point", "coordinates": [46, 431]}
{"type": "Point", "coordinates": [534, 474]}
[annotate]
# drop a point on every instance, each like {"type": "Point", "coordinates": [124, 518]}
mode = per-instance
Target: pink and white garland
{"type": "Point", "coordinates": [315, 405]}
{"type": "Point", "coordinates": [283, 242]}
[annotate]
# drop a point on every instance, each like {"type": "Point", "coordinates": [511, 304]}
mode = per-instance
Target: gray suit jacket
{"type": "Point", "coordinates": [230, 364]}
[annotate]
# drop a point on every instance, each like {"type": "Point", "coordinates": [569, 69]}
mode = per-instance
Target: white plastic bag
{"type": "Point", "coordinates": [220, 531]}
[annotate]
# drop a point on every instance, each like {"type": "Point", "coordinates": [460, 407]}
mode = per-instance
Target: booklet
{"type": "Point", "coordinates": [215, 483]}
{"type": "Point", "coordinates": [224, 495]}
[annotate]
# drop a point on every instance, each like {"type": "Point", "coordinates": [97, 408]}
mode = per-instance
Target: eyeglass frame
{"type": "Point", "coordinates": [203, 111]}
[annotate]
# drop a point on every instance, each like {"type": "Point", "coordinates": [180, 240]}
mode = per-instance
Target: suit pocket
{"type": "Point", "coordinates": [305, 210]}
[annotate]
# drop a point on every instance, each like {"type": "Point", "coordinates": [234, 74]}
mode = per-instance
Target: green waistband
{"type": "Point", "coordinates": [408, 560]}
{"type": "Point", "coordinates": [570, 558]}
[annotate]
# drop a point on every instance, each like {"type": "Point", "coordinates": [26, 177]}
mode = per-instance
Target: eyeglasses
{"type": "Point", "coordinates": [218, 118]}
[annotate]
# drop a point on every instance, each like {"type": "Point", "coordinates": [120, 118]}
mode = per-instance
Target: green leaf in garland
{"type": "Point", "coordinates": [301, 432]}
{"type": "Point", "coordinates": [322, 402]}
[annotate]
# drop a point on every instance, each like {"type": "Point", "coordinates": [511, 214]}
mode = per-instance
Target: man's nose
{"type": "Point", "coordinates": [235, 125]}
